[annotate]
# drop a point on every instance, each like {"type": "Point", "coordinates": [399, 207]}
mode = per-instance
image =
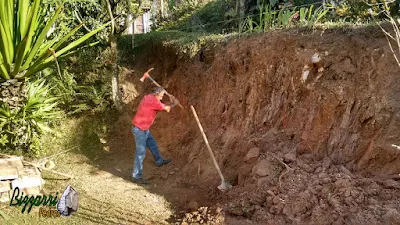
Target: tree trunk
{"type": "Point", "coordinates": [237, 14]}
{"type": "Point", "coordinates": [112, 20]}
{"type": "Point", "coordinates": [115, 92]}
{"type": "Point", "coordinates": [13, 92]}
{"type": "Point", "coordinates": [162, 9]}
{"type": "Point", "coordinates": [133, 34]}
{"type": "Point", "coordinates": [113, 46]}
{"type": "Point", "coordinates": [155, 11]}
{"type": "Point", "coordinates": [130, 20]}
{"type": "Point", "coordinates": [240, 7]}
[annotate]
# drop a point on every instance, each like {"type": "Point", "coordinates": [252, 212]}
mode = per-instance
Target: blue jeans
{"type": "Point", "coordinates": [143, 139]}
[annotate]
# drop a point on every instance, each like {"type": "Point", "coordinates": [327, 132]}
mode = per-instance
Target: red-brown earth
{"type": "Point", "coordinates": [336, 129]}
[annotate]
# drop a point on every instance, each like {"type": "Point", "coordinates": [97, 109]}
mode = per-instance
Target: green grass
{"type": "Point", "coordinates": [80, 136]}
{"type": "Point", "coordinates": [212, 16]}
{"type": "Point", "coordinates": [104, 198]}
{"type": "Point", "coordinates": [188, 44]}
{"type": "Point", "coordinates": [185, 43]}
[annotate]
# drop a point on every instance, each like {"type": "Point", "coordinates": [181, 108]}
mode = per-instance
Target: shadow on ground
{"type": "Point", "coordinates": [115, 156]}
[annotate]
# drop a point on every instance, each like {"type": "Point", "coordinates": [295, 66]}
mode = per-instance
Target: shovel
{"type": "Point", "coordinates": [224, 184]}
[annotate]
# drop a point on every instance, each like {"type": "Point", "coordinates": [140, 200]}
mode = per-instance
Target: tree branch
{"type": "Point", "coordinates": [111, 17]}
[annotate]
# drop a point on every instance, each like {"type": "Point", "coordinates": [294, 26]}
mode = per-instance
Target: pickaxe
{"type": "Point", "coordinates": [147, 75]}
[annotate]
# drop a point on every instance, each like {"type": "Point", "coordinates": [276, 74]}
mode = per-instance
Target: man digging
{"type": "Point", "coordinates": [141, 124]}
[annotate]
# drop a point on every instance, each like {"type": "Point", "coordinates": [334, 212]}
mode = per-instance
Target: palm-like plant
{"type": "Point", "coordinates": [24, 47]}
{"type": "Point", "coordinates": [25, 50]}
{"type": "Point", "coordinates": [20, 129]}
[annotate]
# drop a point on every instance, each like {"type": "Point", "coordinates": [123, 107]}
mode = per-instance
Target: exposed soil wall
{"type": "Point", "coordinates": [335, 123]}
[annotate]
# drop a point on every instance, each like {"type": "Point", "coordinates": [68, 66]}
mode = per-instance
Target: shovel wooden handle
{"type": "Point", "coordinates": [208, 145]}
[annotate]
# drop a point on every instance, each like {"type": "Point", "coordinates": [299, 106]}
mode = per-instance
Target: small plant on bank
{"type": "Point", "coordinates": [269, 19]}
{"type": "Point", "coordinates": [393, 39]}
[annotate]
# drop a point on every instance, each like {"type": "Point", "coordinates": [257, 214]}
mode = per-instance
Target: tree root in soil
{"type": "Point", "coordinates": [288, 168]}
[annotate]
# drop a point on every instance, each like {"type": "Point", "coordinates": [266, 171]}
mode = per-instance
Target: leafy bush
{"type": "Point", "coordinates": [21, 127]}
{"type": "Point", "coordinates": [355, 10]}
{"type": "Point", "coordinates": [84, 83]}
{"type": "Point", "coordinates": [192, 16]}
{"type": "Point", "coordinates": [185, 44]}
{"type": "Point", "coordinates": [63, 87]}
{"type": "Point", "coordinates": [75, 12]}
{"type": "Point", "coordinates": [92, 13]}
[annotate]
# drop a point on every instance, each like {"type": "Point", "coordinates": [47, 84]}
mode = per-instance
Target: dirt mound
{"type": "Point", "coordinates": [202, 215]}
{"type": "Point", "coordinates": [325, 104]}
{"type": "Point", "coordinates": [314, 193]}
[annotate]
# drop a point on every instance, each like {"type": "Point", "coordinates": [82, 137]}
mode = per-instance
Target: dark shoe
{"type": "Point", "coordinates": [140, 181]}
{"type": "Point", "coordinates": [165, 162]}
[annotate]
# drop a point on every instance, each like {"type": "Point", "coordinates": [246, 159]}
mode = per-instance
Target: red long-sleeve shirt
{"type": "Point", "coordinates": [147, 112]}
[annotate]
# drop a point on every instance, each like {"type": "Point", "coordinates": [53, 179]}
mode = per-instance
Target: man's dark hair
{"type": "Point", "coordinates": [158, 90]}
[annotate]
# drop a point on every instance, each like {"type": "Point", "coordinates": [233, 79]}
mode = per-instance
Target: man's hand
{"type": "Point", "coordinates": [167, 108]}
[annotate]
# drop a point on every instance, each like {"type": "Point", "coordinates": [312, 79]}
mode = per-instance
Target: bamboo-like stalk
{"type": "Point", "coordinates": [112, 19]}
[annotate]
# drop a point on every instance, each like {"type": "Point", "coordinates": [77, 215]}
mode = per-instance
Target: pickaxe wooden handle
{"type": "Point", "coordinates": [147, 75]}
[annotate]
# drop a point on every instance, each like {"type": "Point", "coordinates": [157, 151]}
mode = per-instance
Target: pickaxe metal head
{"type": "Point", "coordinates": [146, 75]}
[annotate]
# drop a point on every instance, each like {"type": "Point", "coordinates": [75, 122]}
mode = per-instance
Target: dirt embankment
{"type": "Point", "coordinates": [335, 123]}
